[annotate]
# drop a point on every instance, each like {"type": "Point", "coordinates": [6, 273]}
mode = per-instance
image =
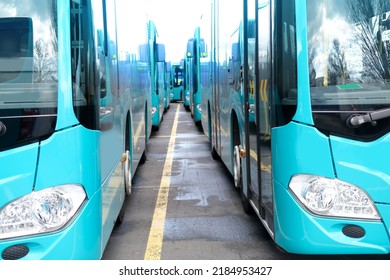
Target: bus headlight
{"type": "Point", "coordinates": [199, 107]}
{"type": "Point", "coordinates": [154, 110]}
{"type": "Point", "coordinates": [43, 211]}
{"type": "Point", "coordinates": [332, 197]}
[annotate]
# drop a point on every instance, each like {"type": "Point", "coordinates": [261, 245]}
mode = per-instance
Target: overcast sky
{"type": "Point", "coordinates": [176, 21]}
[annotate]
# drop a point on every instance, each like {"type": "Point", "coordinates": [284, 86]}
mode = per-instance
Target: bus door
{"type": "Point", "coordinates": [258, 68]}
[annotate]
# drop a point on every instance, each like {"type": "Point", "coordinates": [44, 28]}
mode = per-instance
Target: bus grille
{"type": "Point", "coordinates": [15, 252]}
{"type": "Point", "coordinates": [354, 231]}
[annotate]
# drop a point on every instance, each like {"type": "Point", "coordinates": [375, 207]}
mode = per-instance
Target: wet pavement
{"type": "Point", "coordinates": [204, 219]}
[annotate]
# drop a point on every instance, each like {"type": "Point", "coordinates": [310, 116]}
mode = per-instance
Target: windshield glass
{"type": "Point", "coordinates": [349, 51]}
{"type": "Point", "coordinates": [178, 76]}
{"type": "Point", "coordinates": [28, 71]}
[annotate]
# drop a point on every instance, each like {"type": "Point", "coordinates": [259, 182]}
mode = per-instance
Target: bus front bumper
{"type": "Point", "coordinates": [300, 232]}
{"type": "Point", "coordinates": [81, 239]}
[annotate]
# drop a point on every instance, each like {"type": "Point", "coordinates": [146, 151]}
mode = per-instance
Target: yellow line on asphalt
{"type": "Point", "coordinates": [266, 168]}
{"type": "Point", "coordinates": [156, 234]}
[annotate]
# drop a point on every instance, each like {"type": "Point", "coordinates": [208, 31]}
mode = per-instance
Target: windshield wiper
{"type": "Point", "coordinates": [3, 129]}
{"type": "Point", "coordinates": [357, 120]}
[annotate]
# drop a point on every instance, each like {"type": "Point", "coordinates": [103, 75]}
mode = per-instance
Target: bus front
{"type": "Point", "coordinates": [45, 209]}
{"type": "Point", "coordinates": [177, 82]}
{"type": "Point", "coordinates": [339, 172]}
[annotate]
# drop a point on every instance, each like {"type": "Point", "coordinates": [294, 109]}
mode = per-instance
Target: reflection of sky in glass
{"type": "Point", "coordinates": [327, 22]}
{"type": "Point", "coordinates": [349, 23]}
{"type": "Point", "coordinates": [42, 67]}
{"type": "Point", "coordinates": [37, 10]}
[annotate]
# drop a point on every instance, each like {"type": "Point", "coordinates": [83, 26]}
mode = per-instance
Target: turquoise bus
{"type": "Point", "coordinates": [311, 163]}
{"type": "Point", "coordinates": [177, 81]}
{"type": "Point", "coordinates": [168, 85]}
{"type": "Point", "coordinates": [157, 71]}
{"type": "Point", "coordinates": [187, 82]}
{"type": "Point", "coordinates": [195, 55]}
{"type": "Point", "coordinates": [74, 121]}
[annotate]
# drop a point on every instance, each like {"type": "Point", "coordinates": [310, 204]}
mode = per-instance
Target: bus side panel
{"type": "Point", "coordinates": [300, 149]}
{"type": "Point", "coordinates": [364, 164]}
{"type": "Point", "coordinates": [16, 184]}
{"type": "Point", "coordinates": [72, 157]}
{"type": "Point", "coordinates": [134, 84]}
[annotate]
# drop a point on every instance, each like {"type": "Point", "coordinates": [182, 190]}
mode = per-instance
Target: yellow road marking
{"type": "Point", "coordinates": [156, 234]}
{"type": "Point", "coordinates": [266, 168]}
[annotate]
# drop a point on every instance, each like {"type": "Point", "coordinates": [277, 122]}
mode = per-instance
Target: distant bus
{"type": "Point", "coordinates": [74, 121]}
{"type": "Point", "coordinates": [177, 81]}
{"type": "Point", "coordinates": [162, 89]}
{"type": "Point", "coordinates": [195, 53]}
{"type": "Point", "coordinates": [157, 72]}
{"type": "Point", "coordinates": [168, 85]}
{"type": "Point", "coordinates": [298, 111]}
{"type": "Point", "coordinates": [188, 78]}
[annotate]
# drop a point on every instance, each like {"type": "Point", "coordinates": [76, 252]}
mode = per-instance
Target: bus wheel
{"type": "Point", "coordinates": [237, 167]}
{"type": "Point", "coordinates": [128, 178]}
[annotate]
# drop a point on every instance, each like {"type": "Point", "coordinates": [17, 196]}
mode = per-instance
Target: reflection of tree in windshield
{"type": "Point", "coordinates": [349, 41]}
{"type": "Point", "coordinates": [40, 39]}
{"type": "Point", "coordinates": [369, 27]}
{"type": "Point", "coordinates": [337, 65]}
{"type": "Point", "coordinates": [45, 67]}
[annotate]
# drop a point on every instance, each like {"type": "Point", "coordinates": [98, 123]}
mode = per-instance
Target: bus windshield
{"type": "Point", "coordinates": [349, 52]}
{"type": "Point", "coordinates": [28, 71]}
{"type": "Point", "coordinates": [178, 76]}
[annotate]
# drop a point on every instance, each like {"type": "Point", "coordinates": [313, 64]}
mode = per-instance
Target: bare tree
{"type": "Point", "coordinates": [44, 63]}
{"type": "Point", "coordinates": [366, 15]}
{"type": "Point", "coordinates": [337, 66]}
